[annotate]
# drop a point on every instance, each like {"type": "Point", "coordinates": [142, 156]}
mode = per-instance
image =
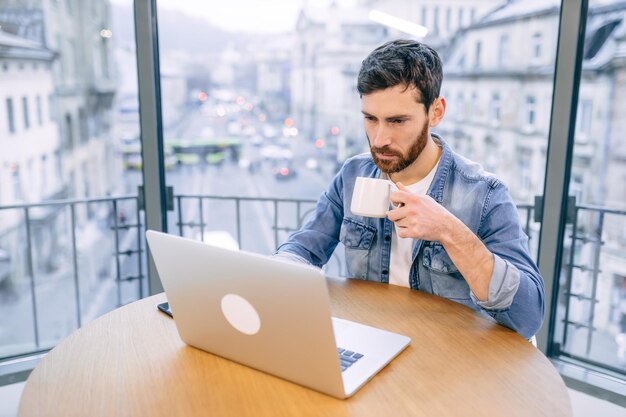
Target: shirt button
{"type": "Point", "coordinates": [387, 238]}
{"type": "Point", "coordinates": [385, 272]}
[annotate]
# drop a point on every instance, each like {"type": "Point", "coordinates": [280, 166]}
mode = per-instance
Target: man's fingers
{"type": "Point", "coordinates": [399, 197]}
{"type": "Point", "coordinates": [401, 186]}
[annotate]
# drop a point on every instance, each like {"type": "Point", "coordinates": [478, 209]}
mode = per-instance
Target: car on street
{"type": "Point", "coordinates": [283, 169]}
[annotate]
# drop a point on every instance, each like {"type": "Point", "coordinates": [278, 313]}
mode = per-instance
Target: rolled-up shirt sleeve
{"type": "Point", "coordinates": [290, 257]}
{"type": "Point", "coordinates": [516, 293]}
{"type": "Point", "coordinates": [504, 283]}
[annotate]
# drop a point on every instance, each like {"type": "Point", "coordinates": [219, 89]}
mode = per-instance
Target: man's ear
{"type": "Point", "coordinates": [436, 111]}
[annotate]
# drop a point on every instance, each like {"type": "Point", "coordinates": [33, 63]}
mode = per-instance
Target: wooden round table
{"type": "Point", "coordinates": [131, 362]}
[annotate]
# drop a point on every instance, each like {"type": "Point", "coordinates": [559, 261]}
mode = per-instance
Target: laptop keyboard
{"type": "Point", "coordinates": [347, 358]}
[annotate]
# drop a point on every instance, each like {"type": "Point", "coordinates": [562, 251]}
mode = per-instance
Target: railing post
{"type": "Point", "coordinates": [298, 209]}
{"type": "Point", "coordinates": [75, 262]}
{"type": "Point", "coordinates": [275, 224]}
{"type": "Point", "coordinates": [31, 272]}
{"type": "Point", "coordinates": [118, 278]}
{"type": "Point", "coordinates": [180, 215]}
{"type": "Point", "coordinates": [139, 250]}
{"type": "Point", "coordinates": [238, 211]}
{"type": "Point", "coordinates": [201, 219]}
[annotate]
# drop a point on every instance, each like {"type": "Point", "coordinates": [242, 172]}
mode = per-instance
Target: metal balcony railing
{"type": "Point", "coordinates": [587, 256]}
{"type": "Point", "coordinates": [27, 227]}
{"type": "Point", "coordinates": [120, 221]}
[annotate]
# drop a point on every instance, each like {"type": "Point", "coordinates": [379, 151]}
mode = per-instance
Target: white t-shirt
{"type": "Point", "coordinates": [402, 248]}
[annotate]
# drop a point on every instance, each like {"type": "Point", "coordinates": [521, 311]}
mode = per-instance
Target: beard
{"type": "Point", "coordinates": [401, 161]}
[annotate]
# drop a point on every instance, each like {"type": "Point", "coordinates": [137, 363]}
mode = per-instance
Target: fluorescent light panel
{"type": "Point", "coordinates": [397, 23]}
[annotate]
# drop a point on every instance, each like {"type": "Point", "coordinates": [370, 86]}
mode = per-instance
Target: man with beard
{"type": "Point", "coordinates": [455, 230]}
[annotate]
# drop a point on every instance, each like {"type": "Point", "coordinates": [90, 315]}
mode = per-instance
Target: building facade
{"type": "Point", "coordinates": [330, 46]}
{"type": "Point", "coordinates": [29, 144]}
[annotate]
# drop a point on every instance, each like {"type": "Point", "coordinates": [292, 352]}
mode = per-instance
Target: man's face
{"type": "Point", "coordinates": [396, 125]}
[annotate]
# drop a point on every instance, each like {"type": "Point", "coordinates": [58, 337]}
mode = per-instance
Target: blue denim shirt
{"type": "Point", "coordinates": [478, 199]}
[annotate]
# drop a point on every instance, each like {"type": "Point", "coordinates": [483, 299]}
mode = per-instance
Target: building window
{"type": "Point", "coordinates": [583, 119]}
{"type": "Point", "coordinates": [524, 173]}
{"type": "Point", "coordinates": [69, 132]}
{"type": "Point", "coordinates": [25, 111]}
{"type": "Point", "coordinates": [473, 107]}
{"type": "Point", "coordinates": [496, 108]}
{"type": "Point", "coordinates": [82, 126]}
{"type": "Point", "coordinates": [73, 59]}
{"type": "Point", "coordinates": [492, 157]}
{"type": "Point", "coordinates": [460, 100]}
{"type": "Point", "coordinates": [424, 16]}
{"type": "Point", "coordinates": [104, 56]}
{"type": "Point", "coordinates": [51, 106]}
{"type": "Point", "coordinates": [448, 19]}
{"type": "Point", "coordinates": [10, 115]}
{"type": "Point", "coordinates": [536, 45]}
{"type": "Point", "coordinates": [57, 165]}
{"type": "Point", "coordinates": [531, 110]}
{"type": "Point", "coordinates": [436, 19]}
{"type": "Point", "coordinates": [44, 171]}
{"type": "Point", "coordinates": [460, 17]}
{"type": "Point", "coordinates": [477, 53]}
{"type": "Point", "coordinates": [39, 111]}
{"type": "Point", "coordinates": [503, 50]}
{"type": "Point", "coordinates": [17, 187]}
{"type": "Point", "coordinates": [576, 186]}
{"type": "Point", "coordinates": [472, 15]}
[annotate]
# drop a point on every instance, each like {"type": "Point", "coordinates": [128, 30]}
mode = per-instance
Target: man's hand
{"type": "Point", "coordinates": [419, 216]}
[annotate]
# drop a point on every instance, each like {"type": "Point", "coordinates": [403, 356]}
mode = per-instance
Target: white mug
{"type": "Point", "coordinates": [370, 197]}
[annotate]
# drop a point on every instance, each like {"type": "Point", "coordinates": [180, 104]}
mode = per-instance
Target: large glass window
{"type": "Point", "coordinates": [265, 109]}
{"type": "Point", "coordinates": [591, 309]}
{"type": "Point", "coordinates": [259, 113]}
{"type": "Point", "coordinates": [69, 241]}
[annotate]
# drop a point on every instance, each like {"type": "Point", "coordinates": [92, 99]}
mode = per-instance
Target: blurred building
{"type": "Point", "coordinates": [330, 46]}
{"type": "Point", "coordinates": [29, 144]}
{"type": "Point", "coordinates": [272, 74]}
{"type": "Point", "coordinates": [84, 84]}
{"type": "Point", "coordinates": [85, 87]}
{"type": "Point", "coordinates": [57, 88]}
{"type": "Point", "coordinates": [174, 96]}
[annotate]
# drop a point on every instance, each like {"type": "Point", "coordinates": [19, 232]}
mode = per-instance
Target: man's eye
{"type": "Point", "coordinates": [370, 118]}
{"type": "Point", "coordinates": [398, 121]}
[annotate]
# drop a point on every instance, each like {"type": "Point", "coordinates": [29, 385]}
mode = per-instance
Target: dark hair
{"type": "Point", "coordinates": [402, 62]}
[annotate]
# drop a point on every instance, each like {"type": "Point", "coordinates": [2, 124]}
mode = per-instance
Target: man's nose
{"type": "Point", "coordinates": [382, 137]}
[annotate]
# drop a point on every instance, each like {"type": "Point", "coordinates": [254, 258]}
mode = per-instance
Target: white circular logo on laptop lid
{"type": "Point", "coordinates": [241, 314]}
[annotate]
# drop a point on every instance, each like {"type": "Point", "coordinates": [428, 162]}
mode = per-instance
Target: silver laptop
{"type": "Point", "coordinates": [269, 314]}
